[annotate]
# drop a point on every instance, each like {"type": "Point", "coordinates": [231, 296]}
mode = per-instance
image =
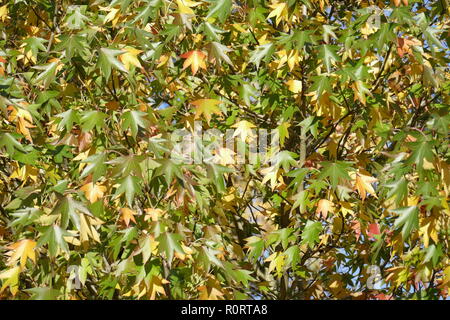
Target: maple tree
{"type": "Point", "coordinates": [94, 206]}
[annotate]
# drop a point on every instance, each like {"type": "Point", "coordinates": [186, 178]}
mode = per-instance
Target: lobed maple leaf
{"type": "Point", "coordinates": [93, 192]}
{"type": "Point", "coordinates": [363, 184]}
{"type": "Point", "coordinates": [323, 207]}
{"type": "Point", "coordinates": [22, 250]}
{"type": "Point", "coordinates": [206, 108]}
{"type": "Point", "coordinates": [195, 59]}
{"type": "Point", "coordinates": [127, 216]}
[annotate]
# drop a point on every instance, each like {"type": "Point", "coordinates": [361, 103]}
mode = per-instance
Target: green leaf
{"type": "Point", "coordinates": [385, 35]}
{"type": "Point", "coordinates": [169, 243]}
{"type": "Point", "coordinates": [433, 253]}
{"type": "Point", "coordinates": [431, 34]}
{"type": "Point", "coordinates": [68, 118]}
{"type": "Point", "coordinates": [91, 119]}
{"type": "Point", "coordinates": [126, 165]}
{"type": "Point", "coordinates": [34, 45]}
{"type": "Point", "coordinates": [219, 51]}
{"type": "Point", "coordinates": [399, 189]}
{"type": "Point", "coordinates": [96, 166]}
{"type": "Point", "coordinates": [107, 60]}
{"type": "Point", "coordinates": [284, 159]}
{"type": "Point", "coordinates": [328, 55]}
{"type": "Point", "coordinates": [130, 186]}
{"type": "Point", "coordinates": [8, 141]}
{"type": "Point", "coordinates": [256, 247]}
{"type": "Point", "coordinates": [48, 73]}
{"type": "Point", "coordinates": [292, 255]}
{"type": "Point", "coordinates": [261, 53]}
{"type": "Point", "coordinates": [168, 169]}
{"type": "Point", "coordinates": [335, 171]}
{"type": "Point", "coordinates": [75, 18]}
{"type": "Point", "coordinates": [247, 92]}
{"type": "Point", "coordinates": [53, 236]}
{"type": "Point", "coordinates": [311, 232]}
{"type": "Point", "coordinates": [69, 208]}
{"type": "Point", "coordinates": [215, 174]}
{"type": "Point", "coordinates": [239, 275]}
{"type": "Point", "coordinates": [321, 84]}
{"type": "Point", "coordinates": [408, 219]}
{"type": "Point", "coordinates": [440, 123]}
{"type": "Point", "coordinates": [25, 217]}
{"type": "Point", "coordinates": [211, 31]}
{"type": "Point", "coordinates": [134, 120]}
{"type": "Point", "coordinates": [43, 293]}
{"type": "Point", "coordinates": [73, 45]}
{"type": "Point", "coordinates": [421, 149]}
{"type": "Point", "coordinates": [220, 9]}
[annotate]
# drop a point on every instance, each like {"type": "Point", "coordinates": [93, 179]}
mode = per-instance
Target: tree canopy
{"type": "Point", "coordinates": [352, 202]}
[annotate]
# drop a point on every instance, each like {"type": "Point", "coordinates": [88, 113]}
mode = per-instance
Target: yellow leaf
{"type": "Point", "coordinates": [211, 290]}
{"type": "Point", "coordinates": [153, 214]}
{"type": "Point", "coordinates": [368, 29]}
{"type": "Point", "coordinates": [130, 57]}
{"type": "Point", "coordinates": [12, 280]}
{"type": "Point", "coordinates": [279, 11]}
{"type": "Point", "coordinates": [206, 107]}
{"type": "Point", "coordinates": [184, 6]}
{"type": "Point", "coordinates": [295, 86]}
{"type": "Point", "coordinates": [363, 185]}
{"type": "Point", "coordinates": [263, 39]}
{"type": "Point", "coordinates": [244, 129]}
{"type": "Point", "coordinates": [276, 263]}
{"type": "Point", "coordinates": [156, 286]}
{"type": "Point", "coordinates": [224, 156]}
{"type": "Point", "coordinates": [22, 250]}
{"type": "Point", "coordinates": [127, 215]}
{"type": "Point", "coordinates": [25, 172]}
{"type": "Point", "coordinates": [195, 59]}
{"type": "Point", "coordinates": [270, 173]}
{"type": "Point", "coordinates": [346, 208]}
{"type": "Point", "coordinates": [112, 16]}
{"type": "Point", "coordinates": [163, 59]}
{"type": "Point", "coordinates": [4, 13]}
{"type": "Point", "coordinates": [291, 57]}
{"type": "Point", "coordinates": [87, 229]}
{"type": "Point", "coordinates": [148, 246]}
{"type": "Point", "coordinates": [93, 192]}
{"type": "Point", "coordinates": [23, 119]}
{"type": "Point", "coordinates": [428, 230]}
{"type": "Point", "coordinates": [446, 278]}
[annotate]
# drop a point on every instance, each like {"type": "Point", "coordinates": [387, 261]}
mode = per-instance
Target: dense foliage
{"type": "Point", "coordinates": [93, 206]}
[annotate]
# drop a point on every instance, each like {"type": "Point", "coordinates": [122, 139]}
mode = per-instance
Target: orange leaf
{"type": "Point", "coordinates": [195, 59]}
{"type": "Point", "coordinates": [22, 250]}
{"type": "Point", "coordinates": [356, 226]}
{"type": "Point", "coordinates": [372, 230]}
{"type": "Point", "coordinates": [404, 45]}
{"type": "Point", "coordinates": [323, 207]}
{"type": "Point", "coordinates": [113, 105]}
{"type": "Point", "coordinates": [363, 185]}
{"type": "Point", "coordinates": [127, 216]}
